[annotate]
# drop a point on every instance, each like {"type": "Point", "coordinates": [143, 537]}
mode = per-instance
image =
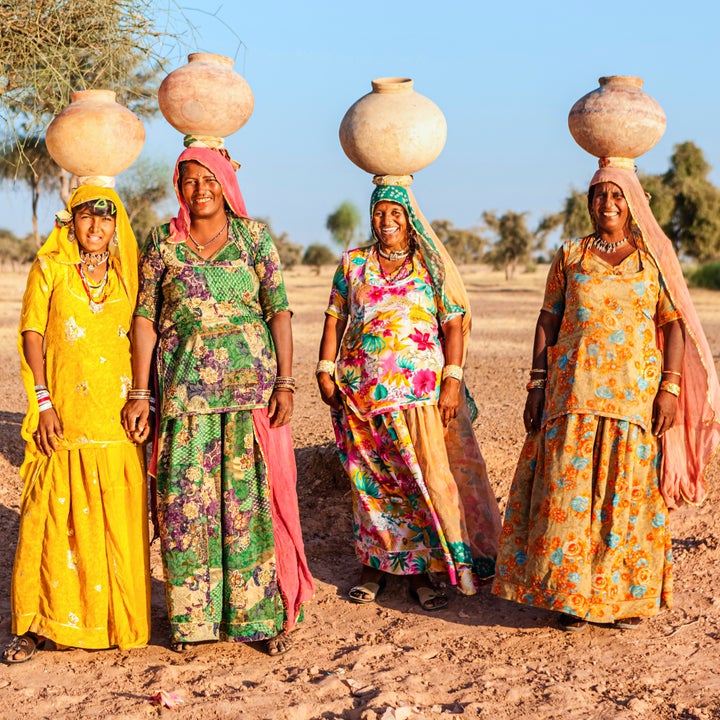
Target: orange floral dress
{"type": "Point", "coordinates": [586, 529]}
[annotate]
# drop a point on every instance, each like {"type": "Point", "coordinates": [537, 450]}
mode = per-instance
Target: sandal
{"type": "Point", "coordinates": [571, 623]}
{"type": "Point", "coordinates": [279, 644]}
{"type": "Point", "coordinates": [429, 598]}
{"type": "Point", "coordinates": [631, 623]}
{"type": "Point", "coordinates": [21, 648]}
{"type": "Point", "coordinates": [367, 592]}
{"type": "Point", "coordinates": [179, 646]}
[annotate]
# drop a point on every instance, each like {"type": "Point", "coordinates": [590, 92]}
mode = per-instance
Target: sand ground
{"type": "Point", "coordinates": [482, 657]}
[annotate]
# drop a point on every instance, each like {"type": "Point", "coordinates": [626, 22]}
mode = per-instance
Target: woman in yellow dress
{"type": "Point", "coordinates": [81, 572]}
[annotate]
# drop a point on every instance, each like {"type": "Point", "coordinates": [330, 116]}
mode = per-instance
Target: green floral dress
{"type": "Point", "coordinates": [216, 367]}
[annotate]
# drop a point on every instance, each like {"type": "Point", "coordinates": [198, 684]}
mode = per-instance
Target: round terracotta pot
{"type": "Point", "coordinates": [94, 135]}
{"type": "Point", "coordinates": [206, 97]}
{"type": "Point", "coordinates": [393, 130]}
{"type": "Point", "coordinates": [617, 119]}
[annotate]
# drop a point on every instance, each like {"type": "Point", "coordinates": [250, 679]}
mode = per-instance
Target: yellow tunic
{"type": "Point", "coordinates": [81, 574]}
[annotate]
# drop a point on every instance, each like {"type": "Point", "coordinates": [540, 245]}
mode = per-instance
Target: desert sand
{"type": "Point", "coordinates": [482, 657]}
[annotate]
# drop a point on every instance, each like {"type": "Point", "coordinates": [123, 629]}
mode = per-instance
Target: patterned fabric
{"type": "Point", "coordinates": [215, 351]}
{"type": "Point", "coordinates": [586, 528]}
{"type": "Point", "coordinates": [81, 575]}
{"type": "Point", "coordinates": [216, 530]}
{"type": "Point", "coordinates": [391, 353]}
{"type": "Point", "coordinates": [421, 496]}
{"type": "Point", "coordinates": [231, 544]}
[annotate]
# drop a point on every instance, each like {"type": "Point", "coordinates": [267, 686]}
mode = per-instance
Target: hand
{"type": "Point", "coordinates": [532, 416]}
{"type": "Point", "coordinates": [329, 391]}
{"type": "Point", "coordinates": [135, 417]}
{"type": "Point", "coordinates": [48, 431]}
{"type": "Point", "coordinates": [280, 408]}
{"type": "Point", "coordinates": [449, 401]}
{"type": "Point", "coordinates": [664, 410]}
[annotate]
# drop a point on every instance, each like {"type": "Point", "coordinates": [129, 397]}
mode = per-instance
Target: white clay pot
{"type": "Point", "coordinates": [94, 135]}
{"type": "Point", "coordinates": [393, 130]}
{"type": "Point", "coordinates": [617, 119]}
{"type": "Point", "coordinates": [206, 97]}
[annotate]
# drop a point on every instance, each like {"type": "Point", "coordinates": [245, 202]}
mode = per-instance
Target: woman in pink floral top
{"type": "Point", "coordinates": [391, 370]}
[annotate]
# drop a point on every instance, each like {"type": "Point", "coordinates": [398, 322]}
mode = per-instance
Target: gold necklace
{"type": "Point", "coordinates": [210, 241]}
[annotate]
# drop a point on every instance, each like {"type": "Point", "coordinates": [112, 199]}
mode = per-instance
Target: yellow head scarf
{"type": "Point", "coordinates": [125, 251]}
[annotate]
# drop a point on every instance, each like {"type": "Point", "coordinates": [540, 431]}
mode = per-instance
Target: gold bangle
{"type": "Point", "coordinates": [538, 384]}
{"type": "Point", "coordinates": [672, 388]}
{"type": "Point", "coordinates": [138, 394]}
{"type": "Point", "coordinates": [672, 372]}
{"type": "Point", "coordinates": [452, 371]}
{"type": "Point", "coordinates": [327, 366]}
{"type": "Point", "coordinates": [538, 371]}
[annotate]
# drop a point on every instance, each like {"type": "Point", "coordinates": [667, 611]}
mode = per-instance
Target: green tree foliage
{"type": "Point", "coordinates": [465, 246]}
{"type": "Point", "coordinates": [344, 225]}
{"type": "Point", "coordinates": [514, 241]}
{"type": "Point", "coordinates": [707, 276]}
{"type": "Point", "coordinates": [144, 190]}
{"type": "Point", "coordinates": [573, 220]}
{"type": "Point", "coordinates": [290, 253]}
{"type": "Point", "coordinates": [318, 255]}
{"type": "Point", "coordinates": [694, 223]}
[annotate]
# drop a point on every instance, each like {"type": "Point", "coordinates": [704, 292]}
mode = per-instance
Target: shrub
{"type": "Point", "coordinates": [707, 276]}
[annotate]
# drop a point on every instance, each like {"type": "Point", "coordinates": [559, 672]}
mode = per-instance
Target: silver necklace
{"type": "Point", "coordinates": [392, 254]}
{"type": "Point", "coordinates": [210, 241]}
{"type": "Point", "coordinates": [93, 260]}
{"type": "Point", "coordinates": [608, 247]}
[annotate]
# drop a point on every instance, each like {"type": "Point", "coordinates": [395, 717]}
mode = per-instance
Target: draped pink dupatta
{"type": "Point", "coordinates": [689, 446]}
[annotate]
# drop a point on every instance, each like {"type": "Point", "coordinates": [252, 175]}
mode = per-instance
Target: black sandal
{"type": "Point", "coordinates": [24, 645]}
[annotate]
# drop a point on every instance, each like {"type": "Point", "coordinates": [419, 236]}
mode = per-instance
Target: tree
{"type": "Point", "coordinates": [465, 246]}
{"type": "Point", "coordinates": [51, 48]}
{"type": "Point", "coordinates": [15, 250]}
{"type": "Point", "coordinates": [318, 255]}
{"type": "Point", "coordinates": [573, 220]}
{"type": "Point", "coordinates": [29, 162]}
{"type": "Point", "coordinates": [290, 253]}
{"type": "Point", "coordinates": [143, 189]}
{"type": "Point", "coordinates": [514, 240]}
{"type": "Point", "coordinates": [344, 224]}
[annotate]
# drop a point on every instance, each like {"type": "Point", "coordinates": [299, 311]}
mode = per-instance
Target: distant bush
{"type": "Point", "coordinates": [706, 276]}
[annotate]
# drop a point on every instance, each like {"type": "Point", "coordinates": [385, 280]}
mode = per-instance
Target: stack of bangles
{"type": "Point", "coordinates": [142, 394]}
{"type": "Point", "coordinates": [537, 379]}
{"type": "Point", "coordinates": [325, 366]}
{"type": "Point", "coordinates": [671, 387]}
{"type": "Point", "coordinates": [43, 398]}
{"type": "Point", "coordinates": [452, 371]}
{"type": "Point", "coordinates": [285, 382]}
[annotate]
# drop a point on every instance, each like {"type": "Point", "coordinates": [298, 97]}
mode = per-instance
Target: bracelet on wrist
{"type": "Point", "coordinates": [138, 394]}
{"type": "Point", "coordinates": [538, 371]}
{"type": "Point", "coordinates": [327, 366]}
{"type": "Point", "coordinates": [452, 371]}
{"type": "Point", "coordinates": [670, 387]}
{"type": "Point", "coordinates": [538, 384]}
{"type": "Point", "coordinates": [672, 372]}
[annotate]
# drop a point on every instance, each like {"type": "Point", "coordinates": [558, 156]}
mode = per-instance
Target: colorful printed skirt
{"type": "Point", "coordinates": [82, 575]}
{"type": "Point", "coordinates": [422, 501]}
{"type": "Point", "coordinates": [216, 530]}
{"type": "Point", "coordinates": [586, 529]}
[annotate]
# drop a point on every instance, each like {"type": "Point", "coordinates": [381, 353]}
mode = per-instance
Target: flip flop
{"type": "Point", "coordinates": [631, 623]}
{"type": "Point", "coordinates": [367, 592]}
{"type": "Point", "coordinates": [571, 623]}
{"type": "Point", "coordinates": [279, 644]}
{"type": "Point", "coordinates": [26, 645]}
{"type": "Point", "coordinates": [429, 598]}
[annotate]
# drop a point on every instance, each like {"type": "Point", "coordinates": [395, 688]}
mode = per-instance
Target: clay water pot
{"type": "Point", "coordinates": [206, 97]}
{"type": "Point", "coordinates": [393, 130]}
{"type": "Point", "coordinates": [617, 119]}
{"type": "Point", "coordinates": [94, 135]}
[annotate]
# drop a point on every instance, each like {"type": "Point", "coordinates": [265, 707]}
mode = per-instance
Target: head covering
{"type": "Point", "coordinates": [443, 271]}
{"type": "Point", "coordinates": [223, 168]}
{"type": "Point", "coordinates": [689, 446]}
{"type": "Point", "coordinates": [59, 246]}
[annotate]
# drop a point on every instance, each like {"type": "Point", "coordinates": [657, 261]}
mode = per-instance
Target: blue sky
{"type": "Point", "coordinates": [505, 74]}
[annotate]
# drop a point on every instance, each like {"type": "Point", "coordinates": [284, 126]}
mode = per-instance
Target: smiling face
{"type": "Point", "coordinates": [94, 226]}
{"type": "Point", "coordinates": [390, 225]}
{"type": "Point", "coordinates": [201, 190]}
{"type": "Point", "coordinates": [609, 209]}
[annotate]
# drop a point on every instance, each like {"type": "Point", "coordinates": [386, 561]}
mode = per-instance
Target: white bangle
{"type": "Point", "coordinates": [327, 366]}
{"type": "Point", "coordinates": [452, 371]}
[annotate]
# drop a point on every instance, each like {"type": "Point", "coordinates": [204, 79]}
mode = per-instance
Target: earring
{"type": "Point", "coordinates": [71, 233]}
{"type": "Point", "coordinates": [114, 239]}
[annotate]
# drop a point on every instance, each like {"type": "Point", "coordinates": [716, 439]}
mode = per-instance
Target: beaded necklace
{"type": "Point", "coordinates": [96, 293]}
{"type": "Point", "coordinates": [608, 247]}
{"type": "Point", "coordinates": [397, 274]}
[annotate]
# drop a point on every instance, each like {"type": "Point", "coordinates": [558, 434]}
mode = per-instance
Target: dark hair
{"type": "Point", "coordinates": [99, 206]}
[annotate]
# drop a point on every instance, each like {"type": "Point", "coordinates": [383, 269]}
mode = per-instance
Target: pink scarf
{"type": "Point", "coordinates": [221, 166]}
{"type": "Point", "coordinates": [689, 446]}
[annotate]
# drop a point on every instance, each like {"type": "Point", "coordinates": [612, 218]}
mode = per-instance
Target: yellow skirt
{"type": "Point", "coordinates": [81, 575]}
